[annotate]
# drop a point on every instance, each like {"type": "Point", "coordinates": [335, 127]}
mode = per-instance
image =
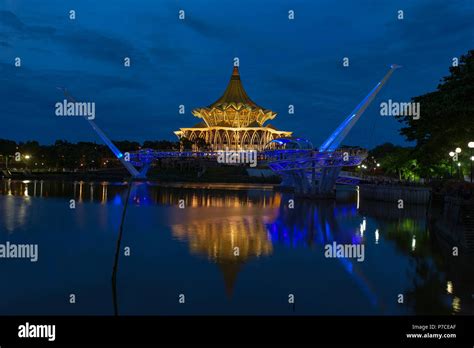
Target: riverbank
{"type": "Point", "coordinates": [398, 194]}
{"type": "Point", "coordinates": [224, 174]}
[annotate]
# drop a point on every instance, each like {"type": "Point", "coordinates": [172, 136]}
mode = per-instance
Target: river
{"type": "Point", "coordinates": [219, 249]}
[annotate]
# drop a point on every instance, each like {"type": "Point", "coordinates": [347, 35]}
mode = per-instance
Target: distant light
{"type": "Point", "coordinates": [27, 156]}
{"type": "Point", "coordinates": [471, 144]}
{"type": "Point", "coordinates": [458, 150]}
{"type": "Point", "coordinates": [456, 304]}
{"type": "Point", "coordinates": [459, 164]}
{"type": "Point", "coordinates": [378, 164]}
{"type": "Point", "coordinates": [449, 287]}
{"type": "Point", "coordinates": [451, 154]}
{"type": "Point", "coordinates": [413, 243]}
{"type": "Point", "coordinates": [377, 236]}
{"type": "Point", "coordinates": [472, 158]}
{"type": "Point", "coordinates": [362, 228]}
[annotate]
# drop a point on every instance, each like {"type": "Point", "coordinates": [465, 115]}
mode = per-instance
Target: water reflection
{"type": "Point", "coordinates": [228, 242]}
{"type": "Point", "coordinates": [216, 220]}
{"type": "Point", "coordinates": [196, 195]}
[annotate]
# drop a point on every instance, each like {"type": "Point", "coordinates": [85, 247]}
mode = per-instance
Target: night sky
{"type": "Point", "coordinates": [189, 62]}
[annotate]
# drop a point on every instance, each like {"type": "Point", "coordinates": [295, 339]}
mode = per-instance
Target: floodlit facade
{"type": "Point", "coordinates": [233, 122]}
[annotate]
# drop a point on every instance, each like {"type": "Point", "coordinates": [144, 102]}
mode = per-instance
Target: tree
{"type": "Point", "coordinates": [446, 119]}
{"type": "Point", "coordinates": [160, 145]}
{"type": "Point", "coordinates": [7, 147]}
{"type": "Point", "coordinates": [396, 160]}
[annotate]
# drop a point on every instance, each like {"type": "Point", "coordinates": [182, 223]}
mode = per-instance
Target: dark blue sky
{"type": "Point", "coordinates": [189, 62]}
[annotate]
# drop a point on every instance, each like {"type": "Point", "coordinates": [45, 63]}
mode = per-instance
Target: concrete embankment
{"type": "Point", "coordinates": [390, 193]}
{"type": "Point", "coordinates": [456, 223]}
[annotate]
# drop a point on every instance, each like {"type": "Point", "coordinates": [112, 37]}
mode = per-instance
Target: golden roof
{"type": "Point", "coordinates": [234, 107]}
{"type": "Point", "coordinates": [234, 95]}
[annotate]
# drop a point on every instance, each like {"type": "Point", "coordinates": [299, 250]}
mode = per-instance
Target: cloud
{"type": "Point", "coordinates": [90, 43]}
{"type": "Point", "coordinates": [10, 20]}
{"type": "Point", "coordinates": [211, 29]}
{"type": "Point", "coordinates": [83, 42]}
{"type": "Point", "coordinates": [429, 24]}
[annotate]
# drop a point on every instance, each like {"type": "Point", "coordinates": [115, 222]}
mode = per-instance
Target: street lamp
{"type": "Point", "coordinates": [471, 146]}
{"type": "Point", "coordinates": [27, 158]}
{"type": "Point", "coordinates": [451, 167]}
{"type": "Point", "coordinates": [458, 150]}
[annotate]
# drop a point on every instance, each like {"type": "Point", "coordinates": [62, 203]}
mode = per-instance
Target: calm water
{"type": "Point", "coordinates": [190, 251]}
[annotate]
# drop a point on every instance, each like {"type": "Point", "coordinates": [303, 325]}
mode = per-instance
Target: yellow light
{"type": "Point", "coordinates": [456, 304]}
{"type": "Point", "coordinates": [27, 157]}
{"type": "Point", "coordinates": [458, 150]}
{"type": "Point", "coordinates": [449, 287]}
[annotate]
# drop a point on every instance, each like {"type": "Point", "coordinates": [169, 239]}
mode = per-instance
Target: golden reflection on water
{"type": "Point", "coordinates": [228, 238]}
{"type": "Point", "coordinates": [228, 242]}
{"type": "Point", "coordinates": [217, 238]}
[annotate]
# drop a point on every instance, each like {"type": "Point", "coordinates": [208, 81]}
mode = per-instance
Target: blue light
{"type": "Point", "coordinates": [335, 139]}
{"type": "Point", "coordinates": [117, 200]}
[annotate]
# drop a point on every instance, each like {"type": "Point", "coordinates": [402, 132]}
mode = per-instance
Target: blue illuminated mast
{"type": "Point", "coordinates": [133, 171]}
{"type": "Point", "coordinates": [336, 138]}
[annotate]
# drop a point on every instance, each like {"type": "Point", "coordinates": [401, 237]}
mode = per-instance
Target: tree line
{"type": "Point", "coordinates": [65, 154]}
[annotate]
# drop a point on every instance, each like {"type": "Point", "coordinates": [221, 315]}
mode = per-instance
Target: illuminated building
{"type": "Point", "coordinates": [233, 122]}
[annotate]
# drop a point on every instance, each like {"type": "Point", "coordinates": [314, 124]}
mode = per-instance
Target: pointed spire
{"type": "Point", "coordinates": [236, 71]}
{"type": "Point", "coordinates": [234, 93]}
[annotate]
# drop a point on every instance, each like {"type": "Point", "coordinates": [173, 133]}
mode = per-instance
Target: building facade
{"type": "Point", "coordinates": [233, 122]}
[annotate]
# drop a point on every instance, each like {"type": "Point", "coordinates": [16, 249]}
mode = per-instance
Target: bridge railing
{"type": "Point", "coordinates": [288, 159]}
{"type": "Point", "coordinates": [284, 160]}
